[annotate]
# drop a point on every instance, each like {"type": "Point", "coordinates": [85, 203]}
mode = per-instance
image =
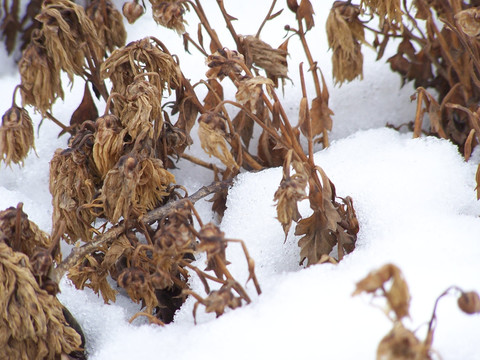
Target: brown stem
{"type": "Point", "coordinates": [417, 131]}
{"type": "Point", "coordinates": [257, 35]}
{"type": "Point", "coordinates": [230, 27]}
{"type": "Point", "coordinates": [197, 6]}
{"type": "Point", "coordinates": [56, 121]}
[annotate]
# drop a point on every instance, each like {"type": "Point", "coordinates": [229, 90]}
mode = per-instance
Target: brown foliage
{"type": "Point", "coordinates": [170, 14]}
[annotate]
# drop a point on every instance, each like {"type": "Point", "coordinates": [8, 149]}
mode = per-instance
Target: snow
{"type": "Point", "coordinates": [414, 199]}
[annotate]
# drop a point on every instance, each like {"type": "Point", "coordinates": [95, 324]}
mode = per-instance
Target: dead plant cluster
{"type": "Point", "coordinates": [401, 343]}
{"type": "Point", "coordinates": [112, 192]}
{"type": "Point", "coordinates": [438, 49]}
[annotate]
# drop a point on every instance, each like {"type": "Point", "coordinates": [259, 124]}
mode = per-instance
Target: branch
{"type": "Point", "coordinates": [114, 232]}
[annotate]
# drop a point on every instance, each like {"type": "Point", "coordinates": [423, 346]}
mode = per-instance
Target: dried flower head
{"type": "Point", "coordinates": [108, 22]}
{"type": "Point", "coordinates": [16, 135]}
{"type": "Point", "coordinates": [469, 21]}
{"type": "Point", "coordinates": [345, 34]}
{"type": "Point", "coordinates": [68, 34]}
{"type": "Point", "coordinates": [261, 54]}
{"type": "Point", "coordinates": [109, 142]}
{"type": "Point", "coordinates": [170, 14]}
{"type": "Point", "coordinates": [40, 77]}
{"type": "Point", "coordinates": [32, 325]}
{"type": "Point", "coordinates": [211, 132]}
{"type": "Point", "coordinates": [223, 62]}
{"type": "Point", "coordinates": [135, 281]}
{"type": "Point", "coordinates": [250, 90]}
{"type": "Point", "coordinates": [72, 185]}
{"type": "Point", "coordinates": [142, 112]}
{"type": "Point", "coordinates": [20, 233]}
{"type": "Point", "coordinates": [388, 11]}
{"type": "Point", "coordinates": [132, 10]}
{"type": "Point", "coordinates": [142, 56]}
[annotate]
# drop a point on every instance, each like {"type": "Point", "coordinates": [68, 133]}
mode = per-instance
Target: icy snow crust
{"type": "Point", "coordinates": [414, 199]}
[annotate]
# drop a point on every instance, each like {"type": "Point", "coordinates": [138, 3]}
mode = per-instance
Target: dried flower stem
{"type": "Point", "coordinates": [257, 35]}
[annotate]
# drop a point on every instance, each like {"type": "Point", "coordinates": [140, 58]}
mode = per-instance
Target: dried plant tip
{"type": "Point", "coordinates": [170, 14]}
{"type": "Point", "coordinates": [397, 296]}
{"type": "Point", "coordinates": [132, 10]}
{"type": "Point", "coordinates": [388, 11]}
{"type": "Point", "coordinates": [16, 135]}
{"type": "Point", "coordinates": [469, 302]}
{"type": "Point", "coordinates": [33, 325]}
{"type": "Point", "coordinates": [70, 36]}
{"type": "Point", "coordinates": [345, 34]}
{"type": "Point", "coordinates": [261, 54]}
{"type": "Point", "coordinates": [108, 22]}
{"type": "Point", "coordinates": [40, 76]}
{"type": "Point", "coordinates": [469, 21]}
{"type": "Point", "coordinates": [223, 62]}
{"type": "Point", "coordinates": [250, 91]}
{"type": "Point", "coordinates": [135, 281]}
{"type": "Point", "coordinates": [211, 132]}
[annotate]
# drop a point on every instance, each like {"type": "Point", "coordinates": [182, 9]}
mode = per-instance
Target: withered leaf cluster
{"type": "Point", "coordinates": [33, 323]}
{"type": "Point", "coordinates": [401, 343]}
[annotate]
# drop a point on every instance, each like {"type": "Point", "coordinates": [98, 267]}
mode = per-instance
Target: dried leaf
{"type": "Point", "coordinates": [244, 126]}
{"type": "Point", "coordinates": [250, 90]}
{"type": "Point", "coordinates": [223, 62]}
{"type": "Point", "coordinates": [214, 95]}
{"type": "Point", "coordinates": [85, 111]}
{"type": "Point", "coordinates": [468, 21]}
{"type": "Point", "coordinates": [402, 344]}
{"type": "Point", "coordinates": [388, 11]}
{"type": "Point", "coordinates": [397, 296]}
{"type": "Point", "coordinates": [305, 12]}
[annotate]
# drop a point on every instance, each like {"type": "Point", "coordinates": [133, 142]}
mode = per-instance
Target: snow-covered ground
{"type": "Point", "coordinates": [414, 199]}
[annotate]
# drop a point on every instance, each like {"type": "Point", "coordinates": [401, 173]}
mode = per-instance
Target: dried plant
{"type": "Point", "coordinates": [170, 14]}
{"type": "Point", "coordinates": [16, 135]}
{"type": "Point", "coordinates": [401, 343]}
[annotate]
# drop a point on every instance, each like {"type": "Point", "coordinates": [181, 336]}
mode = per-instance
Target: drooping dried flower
{"type": "Point", "coordinates": [32, 325]}
{"type": "Point", "coordinates": [109, 142]}
{"type": "Point", "coordinates": [16, 135]}
{"type": "Point", "coordinates": [469, 21]}
{"type": "Point", "coordinates": [68, 34]}
{"type": "Point", "coordinates": [72, 185]}
{"type": "Point", "coordinates": [388, 11]}
{"type": "Point", "coordinates": [170, 14]}
{"type": "Point", "coordinates": [211, 132]}
{"type": "Point", "coordinates": [135, 281]}
{"type": "Point", "coordinates": [142, 56]}
{"type": "Point", "coordinates": [345, 34]}
{"type": "Point", "coordinates": [132, 10]}
{"type": "Point", "coordinates": [223, 62]}
{"type": "Point", "coordinates": [261, 54]}
{"type": "Point", "coordinates": [108, 22]}
{"type": "Point", "coordinates": [40, 77]}
{"type": "Point", "coordinates": [397, 296]}
{"type": "Point", "coordinates": [250, 90]}
{"type": "Point", "coordinates": [20, 233]}
{"type": "Point", "coordinates": [142, 112]}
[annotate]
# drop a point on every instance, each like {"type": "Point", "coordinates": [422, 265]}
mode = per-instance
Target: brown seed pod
{"type": "Point", "coordinates": [132, 10]}
{"type": "Point", "coordinates": [108, 22]}
{"type": "Point", "coordinates": [170, 14]}
{"type": "Point", "coordinates": [469, 302]}
{"type": "Point", "coordinates": [16, 135]}
{"type": "Point", "coordinates": [345, 34]}
{"type": "Point", "coordinates": [68, 32]}
{"type": "Point", "coordinates": [108, 145]}
{"type": "Point", "coordinates": [223, 62]}
{"type": "Point", "coordinates": [33, 325]}
{"type": "Point", "coordinates": [40, 76]}
{"type": "Point", "coordinates": [402, 344]}
{"type": "Point", "coordinates": [72, 185]}
{"type": "Point", "coordinates": [138, 57]}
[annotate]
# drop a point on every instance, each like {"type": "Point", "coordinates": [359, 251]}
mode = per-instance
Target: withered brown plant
{"type": "Point", "coordinates": [401, 343]}
{"type": "Point", "coordinates": [32, 324]}
{"type": "Point", "coordinates": [170, 14]}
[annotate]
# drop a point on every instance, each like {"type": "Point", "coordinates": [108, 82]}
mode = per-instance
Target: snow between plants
{"type": "Point", "coordinates": [414, 199]}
